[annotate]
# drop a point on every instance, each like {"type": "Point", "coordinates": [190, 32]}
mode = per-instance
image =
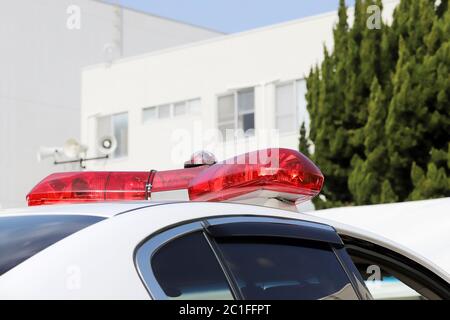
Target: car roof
{"type": "Point", "coordinates": [104, 209]}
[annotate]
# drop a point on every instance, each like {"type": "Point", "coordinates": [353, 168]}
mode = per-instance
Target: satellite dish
{"type": "Point", "coordinates": [48, 152]}
{"type": "Point", "coordinates": [73, 149]}
{"type": "Point", "coordinates": [107, 145]}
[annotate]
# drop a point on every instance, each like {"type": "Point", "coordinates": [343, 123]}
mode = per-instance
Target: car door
{"type": "Point", "coordinates": [390, 275]}
{"type": "Point", "coordinates": [255, 258]}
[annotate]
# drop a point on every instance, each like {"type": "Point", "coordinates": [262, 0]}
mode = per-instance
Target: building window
{"type": "Point", "coordinates": [236, 111]}
{"type": "Point", "coordinates": [150, 114]}
{"type": "Point", "coordinates": [193, 106]}
{"type": "Point", "coordinates": [179, 109]}
{"type": "Point", "coordinates": [226, 113]}
{"type": "Point", "coordinates": [302, 111]}
{"type": "Point", "coordinates": [164, 111]}
{"type": "Point", "coordinates": [116, 126]}
{"type": "Point", "coordinates": [171, 110]}
{"type": "Point", "coordinates": [290, 108]}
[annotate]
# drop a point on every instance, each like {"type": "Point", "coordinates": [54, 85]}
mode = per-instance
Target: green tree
{"type": "Point", "coordinates": [418, 118]}
{"type": "Point", "coordinates": [338, 93]}
{"type": "Point", "coordinates": [303, 144]}
{"type": "Point", "coordinates": [366, 179]}
{"type": "Point", "coordinates": [387, 193]}
{"type": "Point", "coordinates": [430, 184]}
{"type": "Point", "coordinates": [404, 130]}
{"type": "Point", "coordinates": [379, 106]}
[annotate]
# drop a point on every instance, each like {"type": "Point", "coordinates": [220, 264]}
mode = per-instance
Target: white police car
{"type": "Point", "coordinates": [113, 238]}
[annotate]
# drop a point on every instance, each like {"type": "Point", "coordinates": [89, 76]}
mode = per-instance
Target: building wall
{"type": "Point", "coordinates": [40, 75]}
{"type": "Point", "coordinates": [260, 58]}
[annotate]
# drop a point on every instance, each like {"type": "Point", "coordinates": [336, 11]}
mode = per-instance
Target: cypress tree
{"type": "Point", "coordinates": [367, 176]}
{"type": "Point", "coordinates": [337, 101]}
{"type": "Point", "coordinates": [442, 8]}
{"type": "Point", "coordinates": [303, 144]}
{"type": "Point", "coordinates": [326, 101]}
{"type": "Point", "coordinates": [432, 184]}
{"type": "Point", "coordinates": [432, 179]}
{"type": "Point", "coordinates": [331, 150]}
{"type": "Point", "coordinates": [418, 118]}
{"type": "Point", "coordinates": [379, 107]}
{"type": "Point", "coordinates": [387, 193]}
{"type": "Point", "coordinates": [402, 128]}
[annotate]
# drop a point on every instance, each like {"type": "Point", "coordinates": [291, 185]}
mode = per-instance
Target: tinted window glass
{"type": "Point", "coordinates": [186, 268]}
{"type": "Point", "coordinates": [382, 284]}
{"type": "Point", "coordinates": [286, 270]}
{"type": "Point", "coordinates": [365, 293]}
{"type": "Point", "coordinates": [21, 237]}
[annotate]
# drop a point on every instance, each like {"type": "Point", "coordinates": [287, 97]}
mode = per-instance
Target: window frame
{"type": "Point", "coordinates": [295, 85]}
{"type": "Point", "coordinates": [187, 105]}
{"type": "Point", "coordinates": [236, 112]}
{"type": "Point", "coordinates": [156, 108]}
{"type": "Point", "coordinates": [148, 247]}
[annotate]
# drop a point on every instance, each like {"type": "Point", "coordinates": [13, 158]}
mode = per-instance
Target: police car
{"type": "Point", "coordinates": [232, 233]}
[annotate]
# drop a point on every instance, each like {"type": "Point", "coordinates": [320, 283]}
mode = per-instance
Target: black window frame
{"type": "Point", "coordinates": [219, 227]}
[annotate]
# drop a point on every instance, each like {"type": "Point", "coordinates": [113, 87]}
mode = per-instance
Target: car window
{"type": "Point", "coordinates": [285, 269]}
{"type": "Point", "coordinates": [391, 288]}
{"type": "Point", "coordinates": [382, 284]}
{"type": "Point", "coordinates": [187, 269]}
{"type": "Point", "coordinates": [391, 276]}
{"type": "Point", "coordinates": [21, 237]}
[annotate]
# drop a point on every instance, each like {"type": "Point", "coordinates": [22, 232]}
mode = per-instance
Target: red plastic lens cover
{"type": "Point", "coordinates": [280, 170]}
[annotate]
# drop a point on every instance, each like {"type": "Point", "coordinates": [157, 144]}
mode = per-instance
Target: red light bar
{"type": "Point", "coordinates": [174, 179]}
{"type": "Point", "coordinates": [83, 187]}
{"type": "Point", "coordinates": [267, 174]}
{"type": "Point", "coordinates": [281, 173]}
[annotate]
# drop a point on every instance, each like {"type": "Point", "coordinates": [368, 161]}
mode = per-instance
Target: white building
{"type": "Point", "coordinates": [42, 51]}
{"type": "Point", "coordinates": [163, 106]}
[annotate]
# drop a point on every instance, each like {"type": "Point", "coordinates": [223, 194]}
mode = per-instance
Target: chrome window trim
{"type": "Point", "coordinates": [148, 247]}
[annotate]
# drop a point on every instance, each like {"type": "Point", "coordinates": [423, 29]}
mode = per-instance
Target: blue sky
{"type": "Point", "coordinates": [233, 15]}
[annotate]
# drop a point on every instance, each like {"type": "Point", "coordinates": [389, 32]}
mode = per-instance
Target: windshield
{"type": "Point", "coordinates": [21, 237]}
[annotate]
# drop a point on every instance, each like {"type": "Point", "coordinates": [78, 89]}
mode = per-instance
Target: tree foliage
{"type": "Point", "coordinates": [380, 106]}
{"type": "Point", "coordinates": [303, 143]}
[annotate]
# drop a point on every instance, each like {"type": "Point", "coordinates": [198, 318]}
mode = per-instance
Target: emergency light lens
{"type": "Point", "coordinates": [82, 187]}
{"type": "Point", "coordinates": [174, 179]}
{"type": "Point", "coordinates": [282, 173]}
